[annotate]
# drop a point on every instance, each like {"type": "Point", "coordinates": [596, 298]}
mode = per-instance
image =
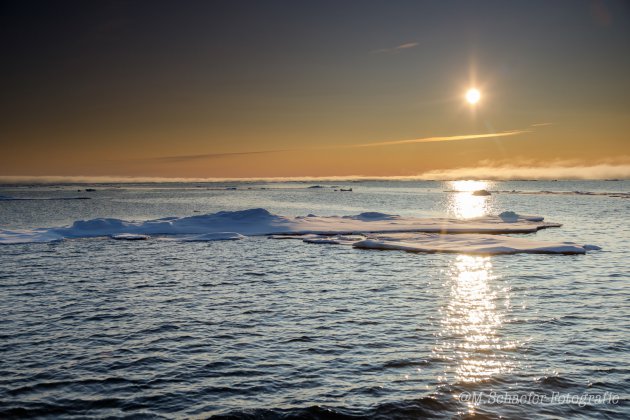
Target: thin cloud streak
{"type": "Point", "coordinates": [400, 47]}
{"type": "Point", "coordinates": [407, 45]}
{"type": "Point", "coordinates": [186, 158]}
{"type": "Point", "coordinates": [445, 138]}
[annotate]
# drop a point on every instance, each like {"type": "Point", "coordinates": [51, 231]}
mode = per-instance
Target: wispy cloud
{"type": "Point", "coordinates": [398, 48]}
{"type": "Point", "coordinates": [445, 138]}
{"type": "Point", "coordinates": [505, 133]}
{"type": "Point", "coordinates": [207, 156]}
{"type": "Point", "coordinates": [407, 45]}
{"type": "Point", "coordinates": [186, 158]}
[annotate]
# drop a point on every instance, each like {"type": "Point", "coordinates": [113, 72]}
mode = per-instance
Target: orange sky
{"type": "Point", "coordinates": [584, 142]}
{"type": "Point", "coordinates": [182, 93]}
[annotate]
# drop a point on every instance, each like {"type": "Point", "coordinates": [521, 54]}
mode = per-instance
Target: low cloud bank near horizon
{"type": "Point", "coordinates": [486, 171]}
{"type": "Point", "coordinates": [510, 172]}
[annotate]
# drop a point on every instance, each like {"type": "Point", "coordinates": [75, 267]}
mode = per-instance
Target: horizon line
{"type": "Point", "coordinates": [595, 172]}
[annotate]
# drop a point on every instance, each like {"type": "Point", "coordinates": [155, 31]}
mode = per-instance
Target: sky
{"type": "Point", "coordinates": [247, 89]}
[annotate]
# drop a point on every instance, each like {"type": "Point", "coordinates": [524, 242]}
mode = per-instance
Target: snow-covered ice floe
{"type": "Point", "coordinates": [466, 243]}
{"type": "Point", "coordinates": [358, 230]}
{"type": "Point", "coordinates": [469, 244]}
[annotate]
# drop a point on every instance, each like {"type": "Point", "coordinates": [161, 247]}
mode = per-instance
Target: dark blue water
{"type": "Point", "coordinates": [265, 328]}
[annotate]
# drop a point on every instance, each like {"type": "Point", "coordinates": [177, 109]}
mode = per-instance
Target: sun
{"type": "Point", "coordinates": [473, 95]}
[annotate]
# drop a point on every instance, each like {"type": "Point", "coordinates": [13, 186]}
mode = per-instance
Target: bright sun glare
{"type": "Point", "coordinates": [473, 96]}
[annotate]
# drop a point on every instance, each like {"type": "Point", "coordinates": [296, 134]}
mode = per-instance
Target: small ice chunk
{"type": "Point", "coordinates": [481, 193]}
{"type": "Point", "coordinates": [372, 216]}
{"type": "Point", "coordinates": [592, 247]}
{"type": "Point", "coordinates": [509, 216]}
{"type": "Point", "coordinates": [512, 217]}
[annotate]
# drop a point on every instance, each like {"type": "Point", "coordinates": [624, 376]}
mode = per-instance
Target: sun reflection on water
{"type": "Point", "coordinates": [471, 342]}
{"type": "Point", "coordinates": [463, 204]}
{"type": "Point", "coordinates": [468, 185]}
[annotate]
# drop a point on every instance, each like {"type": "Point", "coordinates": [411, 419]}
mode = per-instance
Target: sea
{"type": "Point", "coordinates": [280, 329]}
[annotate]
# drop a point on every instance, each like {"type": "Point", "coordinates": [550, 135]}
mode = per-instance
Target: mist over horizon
{"type": "Point", "coordinates": [597, 172]}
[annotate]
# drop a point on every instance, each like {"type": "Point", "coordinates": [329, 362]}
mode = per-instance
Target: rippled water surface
{"type": "Point", "coordinates": [280, 328]}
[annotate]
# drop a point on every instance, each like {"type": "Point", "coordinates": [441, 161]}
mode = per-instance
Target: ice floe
{"type": "Point", "coordinates": [364, 230]}
{"type": "Point", "coordinates": [469, 244]}
{"type": "Point", "coordinates": [482, 244]}
{"type": "Point", "coordinates": [511, 217]}
{"type": "Point", "coordinates": [481, 193]}
{"type": "Point", "coordinates": [261, 222]}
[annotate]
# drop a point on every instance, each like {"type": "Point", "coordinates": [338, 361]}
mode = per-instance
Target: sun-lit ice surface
{"type": "Point", "coordinates": [466, 243]}
{"type": "Point", "coordinates": [469, 244]}
{"type": "Point", "coordinates": [343, 230]}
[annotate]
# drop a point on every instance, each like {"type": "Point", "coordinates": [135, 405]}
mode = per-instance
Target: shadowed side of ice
{"type": "Point", "coordinates": [231, 225]}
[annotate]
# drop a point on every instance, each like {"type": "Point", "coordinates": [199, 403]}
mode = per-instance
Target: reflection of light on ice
{"type": "Point", "coordinates": [470, 339]}
{"type": "Point", "coordinates": [463, 204]}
